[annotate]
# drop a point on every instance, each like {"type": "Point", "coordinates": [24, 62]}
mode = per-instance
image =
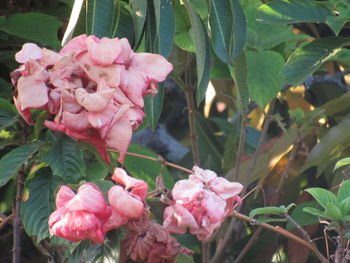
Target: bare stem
{"type": "Point", "coordinates": [16, 257]}
{"type": "Point", "coordinates": [6, 220]}
{"type": "Point", "coordinates": [240, 145]}
{"type": "Point", "coordinates": [250, 243]}
{"type": "Point", "coordinates": [161, 161]}
{"type": "Point", "coordinates": [283, 232]}
{"type": "Point", "coordinates": [339, 253]}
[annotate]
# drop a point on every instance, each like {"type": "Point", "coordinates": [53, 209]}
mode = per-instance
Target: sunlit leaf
{"type": "Point", "coordinates": [341, 163]}
{"type": "Point", "coordinates": [292, 11]}
{"type": "Point", "coordinates": [323, 196]}
{"type": "Point", "coordinates": [307, 59]}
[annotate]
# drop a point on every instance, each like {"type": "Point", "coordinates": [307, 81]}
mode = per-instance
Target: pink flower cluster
{"type": "Point", "coordinates": [202, 202]}
{"type": "Point", "coordinates": [93, 87]}
{"type": "Point", "coordinates": [86, 215]}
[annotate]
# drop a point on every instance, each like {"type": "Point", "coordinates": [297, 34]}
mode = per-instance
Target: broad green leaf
{"type": "Point", "coordinates": [95, 171]}
{"type": "Point", "coordinates": [228, 29]}
{"type": "Point", "coordinates": [292, 11]}
{"type": "Point", "coordinates": [301, 217]}
{"type": "Point", "coordinates": [330, 147]}
{"type": "Point", "coordinates": [272, 210]}
{"type": "Point", "coordinates": [239, 74]}
{"type": "Point", "coordinates": [139, 8]}
{"type": "Point", "coordinates": [100, 17]}
{"type": "Point", "coordinates": [7, 116]}
{"type": "Point", "coordinates": [143, 169]}
{"type": "Point", "coordinates": [333, 212]}
{"type": "Point", "coordinates": [165, 22]}
{"type": "Point", "coordinates": [264, 80]}
{"type": "Point", "coordinates": [12, 161]}
{"type": "Point", "coordinates": [341, 163]}
{"type": "Point", "coordinates": [344, 191]}
{"type": "Point", "coordinates": [184, 259]}
{"type": "Point", "coordinates": [307, 59]}
{"type": "Point", "coordinates": [65, 159]}
{"type": "Point", "coordinates": [108, 252]}
{"type": "Point", "coordinates": [201, 41]}
{"type": "Point", "coordinates": [184, 37]}
{"type": "Point", "coordinates": [323, 196]}
{"type": "Point", "coordinates": [313, 211]}
{"type": "Point", "coordinates": [36, 210]}
{"type": "Point", "coordinates": [344, 205]}
{"type": "Point", "coordinates": [30, 26]}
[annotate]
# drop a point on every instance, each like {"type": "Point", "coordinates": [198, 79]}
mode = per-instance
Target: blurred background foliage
{"type": "Point", "coordinates": [274, 74]}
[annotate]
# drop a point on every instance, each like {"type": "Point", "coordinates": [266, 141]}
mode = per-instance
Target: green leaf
{"type": "Point", "coordinates": [30, 26]}
{"type": "Point", "coordinates": [39, 123]}
{"type": "Point", "coordinates": [165, 22]}
{"type": "Point", "coordinates": [108, 252]}
{"type": "Point", "coordinates": [313, 211]}
{"type": "Point", "coordinates": [341, 163]}
{"type": "Point", "coordinates": [228, 29]}
{"type": "Point", "coordinates": [264, 80]}
{"type": "Point", "coordinates": [329, 148]}
{"type": "Point", "coordinates": [201, 41]}
{"type": "Point", "coordinates": [272, 210]}
{"type": "Point", "coordinates": [12, 161]}
{"type": "Point", "coordinates": [301, 217]}
{"type": "Point", "coordinates": [184, 259]}
{"type": "Point", "coordinates": [323, 196]}
{"type": "Point", "coordinates": [307, 59]}
{"type": "Point", "coordinates": [239, 74]}
{"type": "Point", "coordinates": [184, 37]}
{"type": "Point", "coordinates": [7, 116]}
{"type": "Point", "coordinates": [100, 17]}
{"type": "Point", "coordinates": [333, 212]}
{"type": "Point", "coordinates": [65, 158]}
{"type": "Point", "coordinates": [143, 169]}
{"type": "Point", "coordinates": [154, 106]}
{"type": "Point", "coordinates": [36, 210]}
{"type": "Point", "coordinates": [95, 172]}
{"type": "Point", "coordinates": [292, 11]}
{"type": "Point", "coordinates": [139, 8]}
{"type": "Point", "coordinates": [344, 190]}
{"type": "Point", "coordinates": [344, 205]}
{"type": "Point", "coordinates": [209, 147]}
{"type": "Point", "coordinates": [123, 24]}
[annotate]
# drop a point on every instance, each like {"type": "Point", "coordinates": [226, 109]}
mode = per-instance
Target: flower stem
{"type": "Point", "coordinates": [161, 161]}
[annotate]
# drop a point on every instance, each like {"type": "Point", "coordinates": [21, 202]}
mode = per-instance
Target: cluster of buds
{"type": "Point", "coordinates": [93, 88]}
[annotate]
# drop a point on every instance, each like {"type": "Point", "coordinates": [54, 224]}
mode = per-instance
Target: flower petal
{"type": "Point", "coordinates": [29, 51]}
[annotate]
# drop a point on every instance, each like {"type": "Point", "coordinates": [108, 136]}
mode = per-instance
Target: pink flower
{"type": "Point", "coordinates": [93, 89]}
{"type": "Point", "coordinates": [127, 202]}
{"type": "Point", "coordinates": [202, 202]}
{"type": "Point", "coordinates": [80, 216]}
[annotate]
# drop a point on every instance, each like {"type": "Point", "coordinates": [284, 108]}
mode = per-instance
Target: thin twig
{"type": "Point", "coordinates": [250, 243]}
{"type": "Point", "coordinates": [16, 257]}
{"type": "Point", "coordinates": [283, 232]}
{"type": "Point", "coordinates": [240, 145]}
{"type": "Point", "coordinates": [6, 220]}
{"type": "Point", "coordinates": [304, 233]}
{"type": "Point", "coordinates": [339, 253]}
{"type": "Point", "coordinates": [161, 161]}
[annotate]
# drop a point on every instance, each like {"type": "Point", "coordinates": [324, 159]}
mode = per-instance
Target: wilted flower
{"type": "Point", "coordinates": [93, 87]}
{"type": "Point", "coordinates": [127, 201]}
{"type": "Point", "coordinates": [149, 242]}
{"type": "Point", "coordinates": [202, 202]}
{"type": "Point", "coordinates": [80, 216]}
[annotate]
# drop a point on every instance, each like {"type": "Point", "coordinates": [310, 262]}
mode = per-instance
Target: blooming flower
{"type": "Point", "coordinates": [80, 216]}
{"type": "Point", "coordinates": [93, 88]}
{"type": "Point", "coordinates": [202, 202]}
{"type": "Point", "coordinates": [149, 242]}
{"type": "Point", "coordinates": [127, 201]}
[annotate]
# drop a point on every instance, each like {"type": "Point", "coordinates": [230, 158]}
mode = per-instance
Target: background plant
{"type": "Point", "coordinates": [277, 124]}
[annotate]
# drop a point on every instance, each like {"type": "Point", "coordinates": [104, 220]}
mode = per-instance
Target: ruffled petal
{"type": "Point", "coordinates": [224, 188]}
{"type": "Point", "coordinates": [186, 190]}
{"type": "Point", "coordinates": [103, 52]}
{"type": "Point", "coordinates": [29, 51]}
